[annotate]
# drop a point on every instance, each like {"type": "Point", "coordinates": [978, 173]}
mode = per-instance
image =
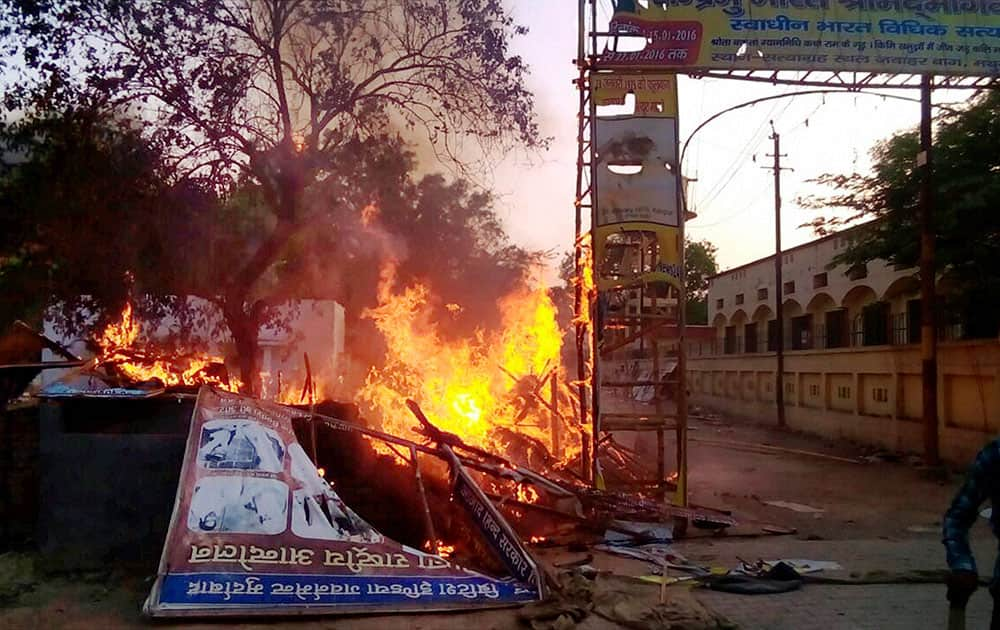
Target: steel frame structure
{"type": "Point", "coordinates": [588, 320]}
{"type": "Point", "coordinates": [587, 61]}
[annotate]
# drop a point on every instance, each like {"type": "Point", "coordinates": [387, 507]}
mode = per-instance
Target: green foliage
{"type": "Point", "coordinates": [966, 162]}
{"type": "Point", "coordinates": [275, 97]}
{"type": "Point", "coordinates": [90, 218]}
{"type": "Point", "coordinates": [82, 204]}
{"type": "Point", "coordinates": [699, 265]}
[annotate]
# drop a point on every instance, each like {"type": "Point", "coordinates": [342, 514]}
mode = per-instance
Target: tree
{"type": "Point", "coordinates": [82, 198]}
{"type": "Point", "coordinates": [699, 265]}
{"type": "Point", "coordinates": [275, 95]}
{"type": "Point", "coordinates": [966, 196]}
{"type": "Point", "coordinates": [443, 233]}
{"type": "Point", "coordinates": [84, 206]}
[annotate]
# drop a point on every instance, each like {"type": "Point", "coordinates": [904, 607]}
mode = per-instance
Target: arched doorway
{"type": "Point", "coordinates": [761, 324]}
{"type": "Point", "coordinates": [903, 298]}
{"type": "Point", "coordinates": [827, 321]}
{"type": "Point", "coordinates": [737, 323]}
{"type": "Point", "coordinates": [869, 318]}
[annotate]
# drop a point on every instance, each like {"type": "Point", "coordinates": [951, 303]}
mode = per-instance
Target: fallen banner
{"type": "Point", "coordinates": [257, 530]}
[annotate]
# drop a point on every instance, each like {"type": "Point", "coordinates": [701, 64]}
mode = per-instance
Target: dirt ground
{"type": "Point", "coordinates": [867, 513]}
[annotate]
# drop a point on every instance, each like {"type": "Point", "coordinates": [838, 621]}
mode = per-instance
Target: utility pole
{"type": "Point", "coordinates": [779, 348]}
{"type": "Point", "coordinates": [928, 327]}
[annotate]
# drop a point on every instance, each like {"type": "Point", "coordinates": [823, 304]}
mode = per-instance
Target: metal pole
{"type": "Point", "coordinates": [428, 521]}
{"type": "Point", "coordinates": [581, 328]}
{"type": "Point", "coordinates": [681, 496]}
{"type": "Point", "coordinates": [595, 375]}
{"type": "Point", "coordinates": [928, 327]}
{"type": "Point", "coordinates": [779, 349]}
{"type": "Point", "coordinates": [661, 447]}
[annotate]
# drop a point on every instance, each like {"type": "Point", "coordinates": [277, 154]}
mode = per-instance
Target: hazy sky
{"type": "Point", "coordinates": [734, 197]}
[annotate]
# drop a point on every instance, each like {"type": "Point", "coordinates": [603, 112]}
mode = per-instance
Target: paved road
{"type": "Point", "coordinates": [881, 607]}
{"type": "Point", "coordinates": [877, 516]}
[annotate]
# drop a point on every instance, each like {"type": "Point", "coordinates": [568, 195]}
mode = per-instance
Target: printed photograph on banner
{"type": "Point", "coordinates": [636, 174]}
{"type": "Point", "coordinates": [636, 192]}
{"type": "Point", "coordinates": [633, 254]}
{"type": "Point", "coordinates": [317, 512]}
{"type": "Point", "coordinates": [240, 505]}
{"type": "Point", "coordinates": [240, 445]}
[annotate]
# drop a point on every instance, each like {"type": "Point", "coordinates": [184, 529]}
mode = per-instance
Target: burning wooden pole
{"type": "Point", "coordinates": [310, 389]}
{"type": "Point", "coordinates": [556, 419]}
{"type": "Point", "coordinates": [428, 521]}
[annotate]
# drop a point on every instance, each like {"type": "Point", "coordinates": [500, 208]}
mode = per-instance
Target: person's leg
{"type": "Point", "coordinates": [995, 593]}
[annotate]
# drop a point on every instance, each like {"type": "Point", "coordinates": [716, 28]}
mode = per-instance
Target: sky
{"type": "Point", "coordinates": [733, 195]}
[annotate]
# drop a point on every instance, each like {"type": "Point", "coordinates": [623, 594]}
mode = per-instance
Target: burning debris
{"type": "Point", "coordinates": [500, 391]}
{"type": "Point", "coordinates": [497, 451]}
{"type": "Point", "coordinates": [118, 357]}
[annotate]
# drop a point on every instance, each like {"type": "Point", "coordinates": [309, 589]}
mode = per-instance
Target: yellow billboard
{"type": "Point", "coordinates": [655, 94]}
{"type": "Point", "coordinates": [632, 254]}
{"type": "Point", "coordinates": [948, 37]}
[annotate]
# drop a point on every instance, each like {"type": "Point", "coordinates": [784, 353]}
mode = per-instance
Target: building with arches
{"type": "Point", "coordinates": [852, 348]}
{"type": "Point", "coordinates": [824, 306]}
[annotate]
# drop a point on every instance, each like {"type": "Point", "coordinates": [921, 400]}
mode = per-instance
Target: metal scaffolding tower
{"type": "Point", "coordinates": [629, 265]}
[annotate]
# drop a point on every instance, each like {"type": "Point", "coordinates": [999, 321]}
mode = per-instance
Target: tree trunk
{"type": "Point", "coordinates": [244, 327]}
{"type": "Point", "coordinates": [282, 182]}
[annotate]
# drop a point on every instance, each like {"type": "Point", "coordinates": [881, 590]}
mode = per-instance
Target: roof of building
{"type": "Point", "coordinates": [827, 237]}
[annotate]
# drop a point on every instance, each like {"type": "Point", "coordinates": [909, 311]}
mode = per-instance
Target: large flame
{"type": "Point", "coordinates": [484, 388]}
{"type": "Point", "coordinates": [187, 369]}
{"type": "Point", "coordinates": [120, 334]}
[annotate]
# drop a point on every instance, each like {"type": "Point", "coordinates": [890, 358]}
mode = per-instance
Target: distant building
{"type": "Point", "coordinates": [852, 360]}
{"type": "Point", "coordinates": [824, 306]}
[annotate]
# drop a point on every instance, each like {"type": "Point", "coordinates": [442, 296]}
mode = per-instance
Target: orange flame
{"type": "Point", "coordinates": [526, 494]}
{"type": "Point", "coordinates": [585, 280]}
{"type": "Point", "coordinates": [116, 341]}
{"type": "Point", "coordinates": [481, 388]}
{"type": "Point", "coordinates": [443, 550]}
{"type": "Point", "coordinates": [369, 214]}
{"type": "Point", "coordinates": [120, 334]}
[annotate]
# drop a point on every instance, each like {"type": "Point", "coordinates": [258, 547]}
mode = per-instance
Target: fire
{"type": "Point", "coordinates": [482, 388]}
{"type": "Point", "coordinates": [443, 550]}
{"type": "Point", "coordinates": [526, 494]}
{"type": "Point", "coordinates": [368, 214]}
{"type": "Point", "coordinates": [537, 539]}
{"type": "Point", "coordinates": [585, 281]}
{"type": "Point", "coordinates": [116, 342]}
{"type": "Point", "coordinates": [120, 334]}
